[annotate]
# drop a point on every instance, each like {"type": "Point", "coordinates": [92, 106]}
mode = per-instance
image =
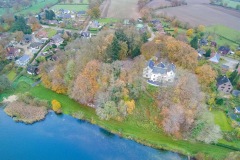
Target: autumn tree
{"type": "Point", "coordinates": [18, 35]}
{"type": "Point", "coordinates": [86, 86]}
{"type": "Point", "coordinates": [94, 12]}
{"type": "Point", "coordinates": [56, 106]}
{"type": "Point", "coordinates": [130, 106]}
{"type": "Point", "coordinates": [201, 28]}
{"type": "Point", "coordinates": [149, 49]}
{"type": "Point", "coordinates": [190, 32]}
{"type": "Point", "coordinates": [206, 78]}
{"type": "Point", "coordinates": [34, 23]}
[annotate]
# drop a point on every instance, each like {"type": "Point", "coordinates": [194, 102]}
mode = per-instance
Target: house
{"type": "Point", "coordinates": [53, 22]}
{"type": "Point", "coordinates": [160, 73]}
{"type": "Point", "coordinates": [81, 13]}
{"type": "Point", "coordinates": [35, 45]}
{"type": "Point", "coordinates": [224, 85]}
{"type": "Point", "coordinates": [155, 22]}
{"type": "Point", "coordinates": [32, 70]}
{"type": "Point", "coordinates": [215, 58]}
{"type": "Point", "coordinates": [201, 53]}
{"type": "Point", "coordinates": [12, 52]}
{"type": "Point", "coordinates": [224, 50]}
{"type": "Point", "coordinates": [237, 109]}
{"type": "Point", "coordinates": [57, 39]}
{"type": "Point", "coordinates": [203, 42]}
{"type": "Point", "coordinates": [213, 44]}
{"type": "Point", "coordinates": [224, 68]}
{"type": "Point", "coordinates": [23, 60]}
{"type": "Point", "coordinates": [41, 34]}
{"type": "Point", "coordinates": [236, 93]}
{"type": "Point", "coordinates": [64, 16]}
{"type": "Point", "coordinates": [85, 34]}
{"type": "Point", "coordinates": [27, 38]}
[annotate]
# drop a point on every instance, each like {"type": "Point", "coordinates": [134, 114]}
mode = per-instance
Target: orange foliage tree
{"type": "Point", "coordinates": [56, 106]}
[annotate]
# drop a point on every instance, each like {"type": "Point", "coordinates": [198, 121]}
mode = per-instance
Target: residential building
{"type": "Point", "coordinates": [27, 38]}
{"type": "Point", "coordinates": [12, 52]}
{"type": "Point", "coordinates": [160, 73]}
{"type": "Point", "coordinates": [224, 68]}
{"type": "Point", "coordinates": [224, 85]}
{"type": "Point", "coordinates": [57, 40]}
{"type": "Point", "coordinates": [224, 50]}
{"type": "Point", "coordinates": [32, 70]}
{"type": "Point", "coordinates": [215, 58]}
{"type": "Point", "coordinates": [236, 93]}
{"type": "Point", "coordinates": [85, 34]}
{"type": "Point", "coordinates": [203, 42]}
{"type": "Point", "coordinates": [23, 60]}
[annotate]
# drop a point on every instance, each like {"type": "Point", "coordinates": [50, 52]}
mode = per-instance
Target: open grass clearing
{"type": "Point", "coordinates": [11, 75]}
{"type": "Point", "coordinates": [222, 120]}
{"type": "Point", "coordinates": [50, 32]}
{"type": "Point", "coordinates": [75, 8]}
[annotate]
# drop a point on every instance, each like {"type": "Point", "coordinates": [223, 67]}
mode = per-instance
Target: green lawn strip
{"type": "Point", "coordinates": [221, 119]}
{"type": "Point", "coordinates": [129, 128]}
{"type": "Point", "coordinates": [107, 20]}
{"type": "Point", "coordinates": [11, 75]}
{"type": "Point", "coordinates": [71, 7]}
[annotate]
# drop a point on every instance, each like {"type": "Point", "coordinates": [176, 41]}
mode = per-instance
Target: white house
{"type": "Point", "coordinates": [161, 73]}
{"type": "Point", "coordinates": [23, 60]}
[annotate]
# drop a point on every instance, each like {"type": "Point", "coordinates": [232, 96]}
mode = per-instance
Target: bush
{"type": "Point", "coordinates": [56, 106]}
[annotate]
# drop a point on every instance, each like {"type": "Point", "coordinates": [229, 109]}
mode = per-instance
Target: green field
{"type": "Point", "coordinates": [222, 120]}
{"type": "Point", "coordinates": [71, 7]}
{"type": "Point", "coordinates": [231, 3]}
{"type": "Point", "coordinates": [229, 36]}
{"type": "Point", "coordinates": [107, 20]}
{"type": "Point", "coordinates": [11, 75]}
{"type": "Point", "coordinates": [50, 32]}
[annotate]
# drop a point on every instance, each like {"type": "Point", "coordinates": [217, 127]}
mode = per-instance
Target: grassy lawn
{"type": "Point", "coordinates": [128, 128]}
{"type": "Point", "coordinates": [107, 20]}
{"type": "Point", "coordinates": [71, 7]}
{"type": "Point", "coordinates": [222, 120]}
{"type": "Point", "coordinates": [37, 7]}
{"type": "Point", "coordinates": [11, 75]}
{"type": "Point", "coordinates": [225, 32]}
{"type": "Point", "coordinates": [50, 32]}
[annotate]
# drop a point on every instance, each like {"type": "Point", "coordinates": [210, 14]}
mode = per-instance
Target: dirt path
{"type": "Point", "coordinates": [104, 8]}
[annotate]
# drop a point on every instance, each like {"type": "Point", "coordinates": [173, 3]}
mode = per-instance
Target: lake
{"type": "Point", "coordinates": [61, 137]}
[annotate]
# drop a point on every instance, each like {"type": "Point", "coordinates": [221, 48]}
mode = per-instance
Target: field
{"type": "Point", "coordinates": [71, 7]}
{"type": "Point", "coordinates": [231, 3]}
{"type": "Point", "coordinates": [76, 2]}
{"type": "Point", "coordinates": [123, 9]}
{"type": "Point", "coordinates": [36, 7]}
{"type": "Point", "coordinates": [158, 3]}
{"type": "Point", "coordinates": [197, 13]}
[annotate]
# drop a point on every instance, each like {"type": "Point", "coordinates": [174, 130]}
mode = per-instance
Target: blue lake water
{"type": "Point", "coordinates": [66, 138]}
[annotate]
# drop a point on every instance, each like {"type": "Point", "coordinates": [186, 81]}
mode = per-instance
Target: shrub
{"type": "Point", "coordinates": [56, 106]}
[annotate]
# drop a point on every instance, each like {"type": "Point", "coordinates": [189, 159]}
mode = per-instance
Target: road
{"type": "Point", "coordinates": [232, 63]}
{"type": "Point", "coordinates": [152, 34]}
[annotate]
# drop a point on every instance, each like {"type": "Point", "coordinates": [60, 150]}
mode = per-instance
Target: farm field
{"type": "Point", "coordinates": [36, 7]}
{"type": "Point", "coordinates": [158, 3]}
{"type": "Point", "coordinates": [123, 9]}
{"type": "Point", "coordinates": [70, 7]}
{"type": "Point", "coordinates": [198, 13]}
{"type": "Point", "coordinates": [76, 2]}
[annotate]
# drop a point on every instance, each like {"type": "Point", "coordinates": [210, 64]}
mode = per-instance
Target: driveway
{"type": "Point", "coordinates": [232, 63]}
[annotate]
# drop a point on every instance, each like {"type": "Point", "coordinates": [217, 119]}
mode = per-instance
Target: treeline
{"type": "Point", "coordinates": [105, 72]}
{"type": "Point", "coordinates": [90, 73]}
